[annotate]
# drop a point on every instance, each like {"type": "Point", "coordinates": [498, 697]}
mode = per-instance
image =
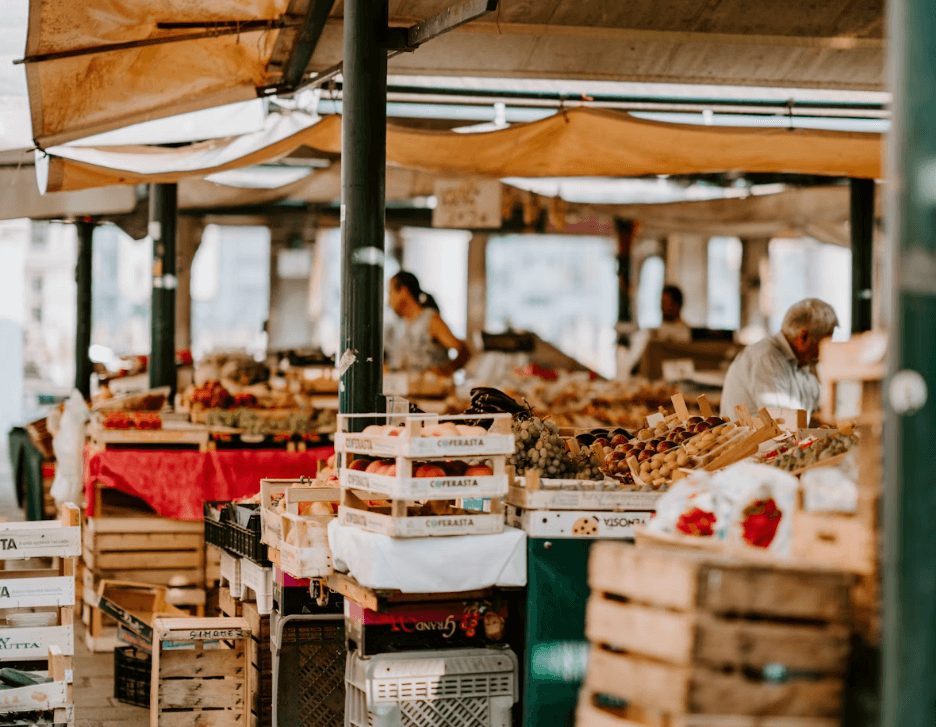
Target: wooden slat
{"type": "Point", "coordinates": [685, 638]}
{"type": "Point", "coordinates": [144, 524]}
{"type": "Point", "coordinates": [680, 689]}
{"type": "Point", "coordinates": [201, 693]}
{"type": "Point", "coordinates": [208, 663]}
{"type": "Point", "coordinates": [143, 559]}
{"type": "Point", "coordinates": [143, 541]}
{"type": "Point", "coordinates": [179, 577]}
{"type": "Point", "coordinates": [684, 580]}
{"type": "Point", "coordinates": [215, 718]}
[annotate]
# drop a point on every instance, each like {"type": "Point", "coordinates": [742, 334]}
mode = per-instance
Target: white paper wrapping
{"type": "Point", "coordinates": [430, 565]}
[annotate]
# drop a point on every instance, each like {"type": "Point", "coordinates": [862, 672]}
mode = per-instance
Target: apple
{"type": "Point", "coordinates": [479, 470]}
{"type": "Point", "coordinates": [374, 467]}
{"type": "Point", "coordinates": [429, 470]}
{"type": "Point", "coordinates": [360, 465]}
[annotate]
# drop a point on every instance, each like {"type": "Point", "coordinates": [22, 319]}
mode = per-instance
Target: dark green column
{"type": "Point", "coordinates": [910, 430]}
{"type": "Point", "coordinates": [163, 209]}
{"type": "Point", "coordinates": [83, 368]}
{"type": "Point", "coordinates": [363, 164]}
{"type": "Point", "coordinates": [862, 246]}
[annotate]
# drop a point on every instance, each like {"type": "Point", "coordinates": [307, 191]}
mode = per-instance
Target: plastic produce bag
{"type": "Point", "coordinates": [745, 504]}
{"type": "Point", "coordinates": [832, 489]}
{"type": "Point", "coordinates": [68, 445]}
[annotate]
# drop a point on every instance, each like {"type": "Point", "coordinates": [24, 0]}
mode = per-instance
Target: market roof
{"type": "Point", "coordinates": [97, 65]}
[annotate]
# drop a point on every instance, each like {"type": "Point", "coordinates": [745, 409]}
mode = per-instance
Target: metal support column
{"type": "Point", "coordinates": [910, 429]}
{"type": "Point", "coordinates": [363, 170]}
{"type": "Point", "coordinates": [862, 245]}
{"type": "Point", "coordinates": [626, 230]}
{"type": "Point", "coordinates": [163, 210]}
{"type": "Point", "coordinates": [83, 368]}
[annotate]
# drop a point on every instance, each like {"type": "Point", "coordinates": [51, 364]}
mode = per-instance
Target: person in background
{"type": "Point", "coordinates": [673, 328]}
{"type": "Point", "coordinates": [419, 340]}
{"type": "Point", "coordinates": [779, 371]}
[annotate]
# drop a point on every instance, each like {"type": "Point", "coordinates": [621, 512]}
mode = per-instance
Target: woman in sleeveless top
{"type": "Point", "coordinates": [419, 340]}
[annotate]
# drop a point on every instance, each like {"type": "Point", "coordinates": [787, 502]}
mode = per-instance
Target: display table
{"type": "Point", "coordinates": [177, 483]}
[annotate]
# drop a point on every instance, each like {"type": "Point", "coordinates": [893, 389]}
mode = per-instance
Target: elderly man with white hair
{"type": "Point", "coordinates": [779, 371]}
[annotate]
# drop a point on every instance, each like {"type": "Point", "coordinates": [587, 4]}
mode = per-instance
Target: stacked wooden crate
{"type": "Point", "coordinates": [259, 656]}
{"type": "Point", "coordinates": [142, 549]}
{"type": "Point", "coordinates": [852, 374]}
{"type": "Point", "coordinates": [195, 680]}
{"type": "Point", "coordinates": [685, 639]}
{"type": "Point", "coordinates": [42, 593]}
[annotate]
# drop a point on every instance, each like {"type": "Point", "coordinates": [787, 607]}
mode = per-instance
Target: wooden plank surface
{"type": "Point", "coordinates": [207, 663]}
{"type": "Point", "coordinates": [685, 638]}
{"type": "Point", "coordinates": [684, 580]}
{"type": "Point", "coordinates": [101, 542]}
{"type": "Point", "coordinates": [202, 693]}
{"type": "Point", "coordinates": [141, 524]}
{"type": "Point", "coordinates": [679, 689]}
{"type": "Point", "coordinates": [213, 718]}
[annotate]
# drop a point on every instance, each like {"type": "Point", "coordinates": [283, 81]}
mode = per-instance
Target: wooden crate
{"type": "Point", "coordinates": [260, 672]}
{"type": "Point", "coordinates": [200, 685]}
{"type": "Point", "coordinates": [401, 520]}
{"type": "Point", "coordinates": [173, 435]}
{"type": "Point", "coordinates": [688, 633]}
{"type": "Point", "coordinates": [54, 698]}
{"type": "Point", "coordinates": [146, 549]}
{"type": "Point", "coordinates": [593, 712]}
{"type": "Point", "coordinates": [445, 487]}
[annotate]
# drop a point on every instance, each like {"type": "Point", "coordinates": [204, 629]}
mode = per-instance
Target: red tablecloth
{"type": "Point", "coordinates": [175, 484]}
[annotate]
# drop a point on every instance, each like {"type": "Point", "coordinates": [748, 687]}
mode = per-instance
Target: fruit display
{"type": "Point", "coordinates": [540, 448]}
{"type": "Point", "coordinates": [435, 468]}
{"type": "Point", "coordinates": [445, 429]}
{"type": "Point", "coordinates": [272, 421]}
{"type": "Point", "coordinates": [132, 420]}
{"type": "Point", "coordinates": [794, 456]}
{"type": "Point", "coordinates": [212, 395]}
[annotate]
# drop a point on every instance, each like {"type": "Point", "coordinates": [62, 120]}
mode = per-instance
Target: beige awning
{"type": "Point", "coordinates": [87, 72]}
{"type": "Point", "coordinates": [576, 143]}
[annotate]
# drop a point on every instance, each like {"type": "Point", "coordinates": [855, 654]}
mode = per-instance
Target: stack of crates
{"type": "Point", "coordinates": [391, 679]}
{"type": "Point", "coordinates": [38, 605]}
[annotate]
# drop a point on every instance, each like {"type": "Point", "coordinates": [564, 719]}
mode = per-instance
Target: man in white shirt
{"type": "Point", "coordinates": [779, 371]}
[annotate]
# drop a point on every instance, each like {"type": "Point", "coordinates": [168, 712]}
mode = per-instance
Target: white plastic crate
{"type": "Point", "coordinates": [411, 443]}
{"type": "Point", "coordinates": [260, 581]}
{"type": "Point", "coordinates": [455, 688]}
{"type": "Point", "coordinates": [581, 524]}
{"type": "Point", "coordinates": [231, 573]}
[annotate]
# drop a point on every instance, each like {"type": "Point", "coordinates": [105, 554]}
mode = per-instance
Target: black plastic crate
{"type": "Point", "coordinates": [245, 541]}
{"type": "Point", "coordinates": [294, 600]}
{"type": "Point", "coordinates": [309, 688]}
{"type": "Point", "coordinates": [216, 515]}
{"type": "Point", "coordinates": [132, 675]}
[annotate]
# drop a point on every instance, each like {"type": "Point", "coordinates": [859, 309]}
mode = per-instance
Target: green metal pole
{"type": "Point", "coordinates": [862, 245]}
{"type": "Point", "coordinates": [910, 431]}
{"type": "Point", "coordinates": [163, 210]}
{"type": "Point", "coordinates": [83, 368]}
{"type": "Point", "coordinates": [363, 169]}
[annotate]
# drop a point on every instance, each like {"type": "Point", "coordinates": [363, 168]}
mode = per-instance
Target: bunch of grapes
{"type": "Point", "coordinates": [540, 448]}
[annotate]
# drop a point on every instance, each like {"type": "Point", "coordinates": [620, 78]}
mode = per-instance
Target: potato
{"type": "Point", "coordinates": [670, 456]}
{"type": "Point", "coordinates": [658, 458]}
{"type": "Point", "coordinates": [682, 459]}
{"type": "Point", "coordinates": [645, 435]}
{"type": "Point", "coordinates": [655, 475]}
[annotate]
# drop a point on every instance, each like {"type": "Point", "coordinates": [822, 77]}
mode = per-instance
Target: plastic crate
{"type": "Point", "coordinates": [309, 657]}
{"type": "Point", "coordinates": [455, 688]}
{"type": "Point", "coordinates": [297, 600]}
{"type": "Point", "coordinates": [216, 514]}
{"type": "Point", "coordinates": [132, 674]}
{"type": "Point", "coordinates": [245, 539]}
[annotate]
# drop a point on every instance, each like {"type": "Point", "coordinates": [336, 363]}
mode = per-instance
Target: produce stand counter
{"type": "Point", "coordinates": [176, 483]}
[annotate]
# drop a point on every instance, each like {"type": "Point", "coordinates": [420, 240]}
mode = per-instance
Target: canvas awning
{"type": "Point", "coordinates": [97, 65]}
{"type": "Point", "coordinates": [575, 143]}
